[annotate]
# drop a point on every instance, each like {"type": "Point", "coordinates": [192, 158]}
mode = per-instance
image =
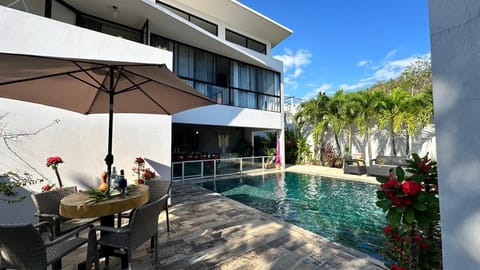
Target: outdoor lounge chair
{"type": "Point", "coordinates": [384, 165]}
{"type": "Point", "coordinates": [354, 166]}
{"type": "Point", "coordinates": [142, 226]}
{"type": "Point", "coordinates": [48, 203]}
{"type": "Point", "coordinates": [22, 246]}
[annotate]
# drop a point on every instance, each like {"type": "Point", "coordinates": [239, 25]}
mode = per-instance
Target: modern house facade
{"type": "Point", "coordinates": [220, 47]}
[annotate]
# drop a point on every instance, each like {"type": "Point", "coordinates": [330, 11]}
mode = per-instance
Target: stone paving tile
{"type": "Point", "coordinates": [208, 231]}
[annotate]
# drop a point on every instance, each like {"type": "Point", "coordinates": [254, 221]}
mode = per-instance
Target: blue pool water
{"type": "Point", "coordinates": [342, 211]}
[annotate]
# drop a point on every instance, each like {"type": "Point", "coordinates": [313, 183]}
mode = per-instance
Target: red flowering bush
{"type": "Point", "coordinates": [410, 200]}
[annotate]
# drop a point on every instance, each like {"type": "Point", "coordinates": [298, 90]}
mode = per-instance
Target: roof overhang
{"type": "Point", "coordinates": [166, 23]}
{"type": "Point", "coordinates": [239, 16]}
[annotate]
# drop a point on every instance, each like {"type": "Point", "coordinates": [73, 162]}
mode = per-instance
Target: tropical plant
{"type": "Point", "coordinates": [395, 113]}
{"type": "Point", "coordinates": [350, 111]}
{"type": "Point", "coordinates": [291, 149]}
{"type": "Point", "coordinates": [312, 118]}
{"type": "Point", "coordinates": [9, 184]}
{"type": "Point", "coordinates": [304, 154]}
{"type": "Point", "coordinates": [411, 204]}
{"type": "Point", "coordinates": [336, 117]}
{"type": "Point", "coordinates": [371, 105]}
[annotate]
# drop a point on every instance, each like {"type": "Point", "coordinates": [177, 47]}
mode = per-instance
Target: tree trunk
{"type": "Point", "coordinates": [369, 145]}
{"type": "Point", "coordinates": [350, 134]}
{"type": "Point", "coordinates": [340, 151]}
{"type": "Point", "coordinates": [392, 140]}
{"type": "Point", "coordinates": [407, 147]}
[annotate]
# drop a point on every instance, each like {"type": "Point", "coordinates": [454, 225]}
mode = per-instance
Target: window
{"type": "Point", "coordinates": [110, 28]}
{"type": "Point", "coordinates": [204, 66]}
{"type": "Point", "coordinates": [204, 24]}
{"type": "Point", "coordinates": [161, 42]}
{"type": "Point", "coordinates": [245, 41]}
{"type": "Point", "coordinates": [184, 61]}
{"type": "Point", "coordinates": [210, 27]}
{"type": "Point", "coordinates": [227, 81]}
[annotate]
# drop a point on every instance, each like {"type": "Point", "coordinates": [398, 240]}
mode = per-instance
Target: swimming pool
{"type": "Point", "coordinates": [340, 210]}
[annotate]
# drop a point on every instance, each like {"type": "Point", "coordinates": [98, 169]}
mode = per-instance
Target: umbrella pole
{"type": "Point", "coordinates": [109, 157]}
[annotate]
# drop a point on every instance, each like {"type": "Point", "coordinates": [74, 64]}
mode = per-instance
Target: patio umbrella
{"type": "Point", "coordinates": [90, 87]}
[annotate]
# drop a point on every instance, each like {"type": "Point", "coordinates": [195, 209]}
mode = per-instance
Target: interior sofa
{"type": "Point", "coordinates": [382, 165]}
{"type": "Point", "coordinates": [354, 166]}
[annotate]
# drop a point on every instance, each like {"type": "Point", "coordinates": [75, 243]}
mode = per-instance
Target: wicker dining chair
{"type": "Point", "coordinates": [23, 247]}
{"type": "Point", "coordinates": [142, 226]}
{"type": "Point", "coordinates": [48, 204]}
{"type": "Point", "coordinates": [157, 189]}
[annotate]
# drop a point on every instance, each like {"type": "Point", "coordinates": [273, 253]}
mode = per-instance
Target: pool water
{"type": "Point", "coordinates": [340, 210]}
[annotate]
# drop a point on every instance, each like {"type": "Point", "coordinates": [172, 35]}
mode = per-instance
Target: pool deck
{"type": "Point", "coordinates": [209, 231]}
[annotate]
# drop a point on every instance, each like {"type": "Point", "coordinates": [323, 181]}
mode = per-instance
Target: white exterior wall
{"type": "Point", "coordinates": [422, 144]}
{"type": "Point", "coordinates": [47, 37]}
{"type": "Point", "coordinates": [455, 46]}
{"type": "Point", "coordinates": [80, 140]}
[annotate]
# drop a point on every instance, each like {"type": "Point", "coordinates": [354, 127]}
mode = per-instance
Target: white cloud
{"type": "Point", "coordinates": [293, 64]}
{"type": "Point", "coordinates": [383, 70]}
{"type": "Point", "coordinates": [324, 88]}
{"type": "Point", "coordinates": [362, 63]}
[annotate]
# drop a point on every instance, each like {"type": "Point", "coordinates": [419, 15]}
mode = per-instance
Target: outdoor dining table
{"type": "Point", "coordinates": [80, 205]}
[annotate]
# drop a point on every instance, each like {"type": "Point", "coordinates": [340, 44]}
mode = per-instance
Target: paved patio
{"type": "Point", "coordinates": [209, 231]}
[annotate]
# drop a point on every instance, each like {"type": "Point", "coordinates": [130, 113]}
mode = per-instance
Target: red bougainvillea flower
{"type": "Point", "coordinates": [411, 187]}
{"type": "Point", "coordinates": [392, 182]}
{"type": "Point", "coordinates": [422, 165]}
{"type": "Point", "coordinates": [54, 161]}
{"type": "Point", "coordinates": [395, 266]}
{"type": "Point", "coordinates": [139, 160]}
{"type": "Point", "coordinates": [422, 244]}
{"type": "Point", "coordinates": [400, 201]}
{"type": "Point", "coordinates": [388, 230]}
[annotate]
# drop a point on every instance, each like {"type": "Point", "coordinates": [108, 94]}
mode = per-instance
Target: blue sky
{"type": "Point", "coordinates": [348, 44]}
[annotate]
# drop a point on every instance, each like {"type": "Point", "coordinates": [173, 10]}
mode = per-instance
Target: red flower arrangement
{"type": "Point", "coordinates": [143, 173]}
{"type": "Point", "coordinates": [413, 216]}
{"type": "Point", "coordinates": [48, 187]}
{"type": "Point", "coordinates": [53, 162]}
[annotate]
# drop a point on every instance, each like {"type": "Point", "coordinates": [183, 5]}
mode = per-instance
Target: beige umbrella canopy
{"type": "Point", "coordinates": [89, 87]}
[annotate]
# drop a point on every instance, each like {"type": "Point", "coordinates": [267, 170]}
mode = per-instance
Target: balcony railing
{"type": "Point", "coordinates": [213, 168]}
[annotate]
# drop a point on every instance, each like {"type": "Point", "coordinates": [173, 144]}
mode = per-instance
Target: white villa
{"type": "Point", "coordinates": [222, 48]}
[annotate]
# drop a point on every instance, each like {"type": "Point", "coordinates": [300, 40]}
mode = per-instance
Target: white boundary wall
{"type": "Point", "coordinates": [455, 46]}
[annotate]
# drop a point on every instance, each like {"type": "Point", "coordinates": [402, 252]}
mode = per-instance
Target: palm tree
{"type": "Point", "coordinates": [419, 114]}
{"type": "Point", "coordinates": [350, 110]}
{"type": "Point", "coordinates": [371, 103]}
{"type": "Point", "coordinates": [336, 119]}
{"type": "Point", "coordinates": [394, 114]}
{"type": "Point", "coordinates": [312, 115]}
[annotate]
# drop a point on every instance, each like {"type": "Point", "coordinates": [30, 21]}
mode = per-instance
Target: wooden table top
{"type": "Point", "coordinates": [78, 205]}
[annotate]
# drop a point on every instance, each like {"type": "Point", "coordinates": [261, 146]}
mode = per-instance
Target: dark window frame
{"type": "Point", "coordinates": [247, 41]}
{"type": "Point", "coordinates": [189, 17]}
